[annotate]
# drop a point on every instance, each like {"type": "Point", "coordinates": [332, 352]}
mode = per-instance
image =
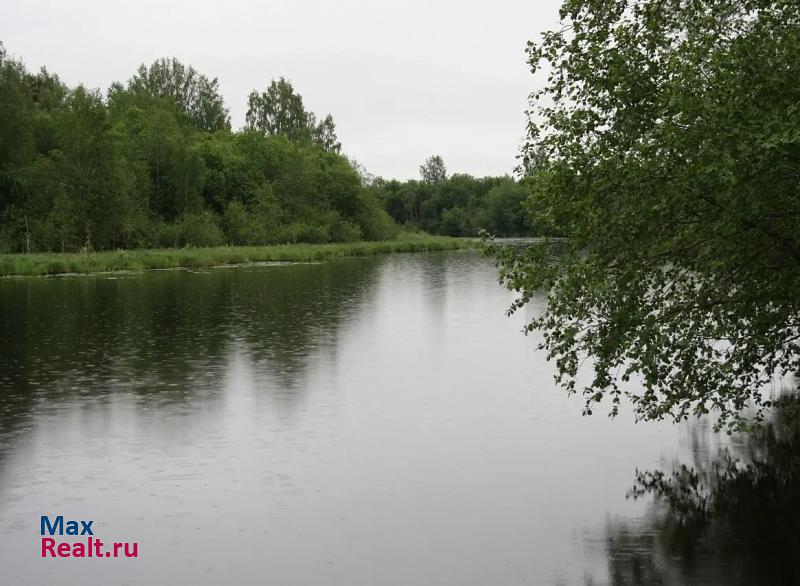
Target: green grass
{"type": "Point", "coordinates": [39, 264]}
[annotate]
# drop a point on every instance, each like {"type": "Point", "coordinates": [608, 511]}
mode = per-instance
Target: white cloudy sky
{"type": "Point", "coordinates": [403, 79]}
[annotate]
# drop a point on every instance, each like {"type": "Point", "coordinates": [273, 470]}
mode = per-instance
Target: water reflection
{"type": "Point", "coordinates": [370, 421]}
{"type": "Point", "coordinates": [169, 337]}
{"type": "Point", "coordinates": [731, 517]}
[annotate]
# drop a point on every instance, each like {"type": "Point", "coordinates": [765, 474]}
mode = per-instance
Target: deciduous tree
{"type": "Point", "coordinates": [433, 170]}
{"type": "Point", "coordinates": [193, 93]}
{"type": "Point", "coordinates": [668, 153]}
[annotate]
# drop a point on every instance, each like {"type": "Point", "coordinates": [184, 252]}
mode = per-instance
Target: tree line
{"type": "Point", "coordinates": [458, 205]}
{"type": "Point", "coordinates": [154, 162]}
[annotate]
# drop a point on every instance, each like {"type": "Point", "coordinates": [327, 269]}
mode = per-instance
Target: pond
{"type": "Point", "coordinates": [375, 421]}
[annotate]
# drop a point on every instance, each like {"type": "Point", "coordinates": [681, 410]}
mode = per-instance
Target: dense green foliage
{"type": "Point", "coordinates": [665, 144]}
{"type": "Point", "coordinates": [459, 205]}
{"type": "Point", "coordinates": [280, 111]}
{"type": "Point", "coordinates": [155, 164]}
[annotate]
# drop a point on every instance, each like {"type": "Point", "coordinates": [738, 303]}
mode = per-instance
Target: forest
{"type": "Point", "coordinates": [459, 205]}
{"type": "Point", "coordinates": [154, 163]}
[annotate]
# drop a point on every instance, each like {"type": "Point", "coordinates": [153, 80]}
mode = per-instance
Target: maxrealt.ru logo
{"type": "Point", "coordinates": [89, 547]}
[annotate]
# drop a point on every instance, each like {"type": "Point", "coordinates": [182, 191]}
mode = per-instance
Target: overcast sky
{"type": "Point", "coordinates": [403, 79]}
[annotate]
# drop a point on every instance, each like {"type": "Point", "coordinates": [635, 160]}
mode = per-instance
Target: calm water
{"type": "Point", "coordinates": [365, 422]}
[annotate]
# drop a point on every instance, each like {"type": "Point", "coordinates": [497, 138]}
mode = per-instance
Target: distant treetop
{"type": "Point", "coordinates": [194, 94]}
{"type": "Point", "coordinates": [433, 170]}
{"type": "Point", "coordinates": [280, 111]}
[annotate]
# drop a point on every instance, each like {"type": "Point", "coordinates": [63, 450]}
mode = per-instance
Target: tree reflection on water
{"type": "Point", "coordinates": [733, 518]}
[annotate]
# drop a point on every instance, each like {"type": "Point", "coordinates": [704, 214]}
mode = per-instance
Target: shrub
{"type": "Point", "coordinates": [164, 235]}
{"type": "Point", "coordinates": [345, 231]}
{"type": "Point", "coordinates": [302, 232]}
{"type": "Point", "coordinates": [201, 230]}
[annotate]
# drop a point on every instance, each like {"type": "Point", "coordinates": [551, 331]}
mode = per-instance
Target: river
{"type": "Point", "coordinates": [375, 421]}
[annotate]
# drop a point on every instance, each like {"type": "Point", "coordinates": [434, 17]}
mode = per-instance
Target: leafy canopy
{"type": "Point", "coordinates": [153, 163]}
{"type": "Point", "coordinates": [665, 145]}
{"type": "Point", "coordinates": [433, 170]}
{"type": "Point", "coordinates": [194, 94]}
{"type": "Point", "coordinates": [280, 111]}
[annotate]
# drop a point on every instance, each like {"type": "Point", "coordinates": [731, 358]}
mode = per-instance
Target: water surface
{"type": "Point", "coordinates": [373, 421]}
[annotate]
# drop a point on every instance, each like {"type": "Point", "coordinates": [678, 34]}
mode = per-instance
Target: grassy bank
{"type": "Point", "coordinates": [135, 260]}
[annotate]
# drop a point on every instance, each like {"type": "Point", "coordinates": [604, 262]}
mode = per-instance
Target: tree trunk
{"type": "Point", "coordinates": [27, 236]}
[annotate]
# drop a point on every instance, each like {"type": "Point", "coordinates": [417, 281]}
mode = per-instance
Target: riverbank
{"type": "Point", "coordinates": [40, 264]}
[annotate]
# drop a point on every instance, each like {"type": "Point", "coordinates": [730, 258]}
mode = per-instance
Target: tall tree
{"type": "Point", "coordinates": [433, 170]}
{"type": "Point", "coordinates": [16, 130]}
{"type": "Point", "coordinates": [668, 152]}
{"type": "Point", "coordinates": [193, 93]}
{"type": "Point", "coordinates": [324, 134]}
{"type": "Point", "coordinates": [17, 148]}
{"type": "Point", "coordinates": [280, 111]}
{"type": "Point", "coordinates": [95, 176]}
{"type": "Point", "coordinates": [157, 139]}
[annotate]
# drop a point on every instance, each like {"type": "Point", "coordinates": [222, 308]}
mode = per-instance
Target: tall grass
{"type": "Point", "coordinates": [135, 260]}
